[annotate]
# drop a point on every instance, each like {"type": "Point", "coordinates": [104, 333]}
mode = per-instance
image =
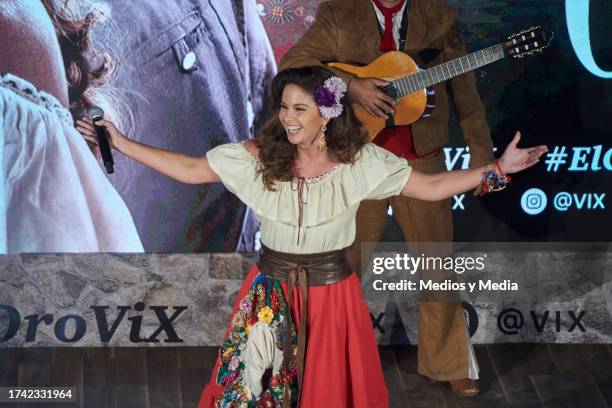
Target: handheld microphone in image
{"type": "Point", "coordinates": [96, 113]}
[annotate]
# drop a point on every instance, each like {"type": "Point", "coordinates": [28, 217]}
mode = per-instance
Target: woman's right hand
{"type": "Point", "coordinates": [86, 129]}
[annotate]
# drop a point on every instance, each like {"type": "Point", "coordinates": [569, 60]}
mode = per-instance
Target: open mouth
{"type": "Point", "coordinates": [293, 129]}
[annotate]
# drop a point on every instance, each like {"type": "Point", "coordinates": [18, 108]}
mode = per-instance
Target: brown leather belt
{"type": "Point", "coordinates": [318, 269]}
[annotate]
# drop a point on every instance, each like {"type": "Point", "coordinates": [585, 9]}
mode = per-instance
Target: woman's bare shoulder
{"type": "Point", "coordinates": [252, 148]}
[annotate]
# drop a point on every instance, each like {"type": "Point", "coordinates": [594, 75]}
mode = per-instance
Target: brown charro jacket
{"type": "Point", "coordinates": [347, 31]}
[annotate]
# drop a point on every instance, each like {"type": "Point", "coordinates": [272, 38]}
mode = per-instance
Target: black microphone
{"type": "Point", "coordinates": [96, 113]}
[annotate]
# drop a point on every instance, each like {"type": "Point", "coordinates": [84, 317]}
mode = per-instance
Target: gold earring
{"type": "Point", "coordinates": [322, 142]}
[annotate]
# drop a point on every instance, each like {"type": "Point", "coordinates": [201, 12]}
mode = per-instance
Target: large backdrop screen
{"type": "Point", "coordinates": [188, 78]}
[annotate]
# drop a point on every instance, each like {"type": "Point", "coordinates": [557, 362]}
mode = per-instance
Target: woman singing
{"type": "Point", "coordinates": [300, 330]}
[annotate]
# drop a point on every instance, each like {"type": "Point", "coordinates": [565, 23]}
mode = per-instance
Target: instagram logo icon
{"type": "Point", "coordinates": [534, 201]}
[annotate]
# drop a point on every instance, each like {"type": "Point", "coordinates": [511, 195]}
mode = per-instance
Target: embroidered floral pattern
{"type": "Point", "coordinates": [308, 180]}
{"type": "Point", "coordinates": [278, 11]}
{"type": "Point", "coordinates": [322, 176]}
{"type": "Point", "coordinates": [265, 315]}
{"type": "Point", "coordinates": [265, 305]}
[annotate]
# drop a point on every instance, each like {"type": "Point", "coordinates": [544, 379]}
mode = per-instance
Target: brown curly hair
{"type": "Point", "coordinates": [344, 137]}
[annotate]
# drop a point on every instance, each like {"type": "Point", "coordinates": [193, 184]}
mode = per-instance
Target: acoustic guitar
{"type": "Point", "coordinates": [409, 84]}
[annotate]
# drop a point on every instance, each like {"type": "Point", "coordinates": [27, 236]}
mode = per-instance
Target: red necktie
{"type": "Point", "coordinates": [388, 43]}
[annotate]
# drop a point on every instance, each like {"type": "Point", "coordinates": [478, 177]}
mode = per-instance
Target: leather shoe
{"type": "Point", "coordinates": [465, 387]}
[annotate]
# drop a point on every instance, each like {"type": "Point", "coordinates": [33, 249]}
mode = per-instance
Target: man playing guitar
{"type": "Point", "coordinates": [357, 32]}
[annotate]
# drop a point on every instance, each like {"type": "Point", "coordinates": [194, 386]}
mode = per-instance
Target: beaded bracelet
{"type": "Point", "coordinates": [493, 178]}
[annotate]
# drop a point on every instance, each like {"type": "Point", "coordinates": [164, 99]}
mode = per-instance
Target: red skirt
{"type": "Point", "coordinates": [342, 366]}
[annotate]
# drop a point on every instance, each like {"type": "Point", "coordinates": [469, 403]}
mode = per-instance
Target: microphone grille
{"type": "Point", "coordinates": [95, 112]}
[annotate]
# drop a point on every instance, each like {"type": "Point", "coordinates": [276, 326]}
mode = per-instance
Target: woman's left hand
{"type": "Point", "coordinates": [514, 159]}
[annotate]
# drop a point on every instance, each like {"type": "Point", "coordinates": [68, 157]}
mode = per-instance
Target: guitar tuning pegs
{"type": "Point", "coordinates": [530, 29]}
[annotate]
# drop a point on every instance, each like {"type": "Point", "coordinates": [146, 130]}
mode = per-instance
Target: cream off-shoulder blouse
{"type": "Point", "coordinates": [328, 202]}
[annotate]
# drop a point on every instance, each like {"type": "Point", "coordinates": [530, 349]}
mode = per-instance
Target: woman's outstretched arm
{"type": "Point", "coordinates": [183, 168]}
{"type": "Point", "coordinates": [434, 187]}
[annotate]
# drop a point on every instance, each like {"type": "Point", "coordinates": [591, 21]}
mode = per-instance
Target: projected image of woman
{"type": "Point", "coordinates": [54, 196]}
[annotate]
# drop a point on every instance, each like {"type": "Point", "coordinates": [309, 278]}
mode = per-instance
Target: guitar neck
{"type": "Point", "coordinates": [440, 73]}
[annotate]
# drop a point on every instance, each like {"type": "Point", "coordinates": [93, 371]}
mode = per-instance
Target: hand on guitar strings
{"type": "Point", "coordinates": [366, 93]}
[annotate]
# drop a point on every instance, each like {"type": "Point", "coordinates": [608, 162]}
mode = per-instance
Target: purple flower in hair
{"type": "Point", "coordinates": [324, 97]}
{"type": "Point", "coordinates": [336, 85]}
{"type": "Point", "coordinates": [328, 96]}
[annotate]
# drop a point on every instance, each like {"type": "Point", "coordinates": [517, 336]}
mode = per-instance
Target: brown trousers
{"type": "Point", "coordinates": [443, 353]}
